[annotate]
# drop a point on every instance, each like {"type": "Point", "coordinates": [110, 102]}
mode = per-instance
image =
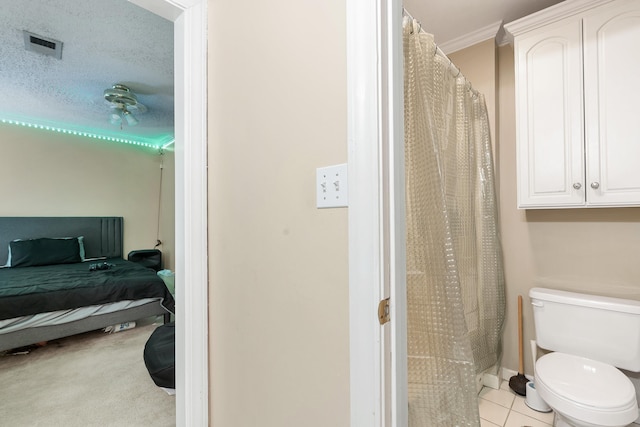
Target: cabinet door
{"type": "Point", "coordinates": [612, 105]}
{"type": "Point", "coordinates": [549, 109]}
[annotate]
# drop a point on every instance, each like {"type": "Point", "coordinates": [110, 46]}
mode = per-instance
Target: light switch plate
{"type": "Point", "coordinates": [331, 187]}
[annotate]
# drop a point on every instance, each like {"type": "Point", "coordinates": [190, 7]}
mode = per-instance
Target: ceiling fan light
{"type": "Point", "coordinates": [115, 119]}
{"type": "Point", "coordinates": [131, 120]}
{"type": "Point", "coordinates": [120, 94]}
{"type": "Point", "coordinates": [122, 101]}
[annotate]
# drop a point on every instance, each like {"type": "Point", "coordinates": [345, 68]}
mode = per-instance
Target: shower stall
{"type": "Point", "coordinates": [423, 233]}
{"type": "Point", "coordinates": [455, 283]}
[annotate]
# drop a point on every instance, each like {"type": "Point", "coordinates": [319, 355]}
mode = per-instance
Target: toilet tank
{"type": "Point", "coordinates": [600, 328]}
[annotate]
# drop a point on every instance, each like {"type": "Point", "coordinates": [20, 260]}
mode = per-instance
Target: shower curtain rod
{"type": "Point", "coordinates": [455, 71]}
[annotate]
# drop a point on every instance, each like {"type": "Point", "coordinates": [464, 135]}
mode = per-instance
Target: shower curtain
{"type": "Point", "coordinates": [455, 282]}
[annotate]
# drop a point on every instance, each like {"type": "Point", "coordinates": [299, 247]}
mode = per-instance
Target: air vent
{"type": "Point", "coordinates": [42, 45]}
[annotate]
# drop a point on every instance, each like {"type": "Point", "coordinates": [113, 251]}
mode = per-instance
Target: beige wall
{"type": "Point", "coordinates": [278, 266]}
{"type": "Point", "coordinates": [585, 250]}
{"type": "Point", "coordinates": [50, 174]}
{"type": "Point", "coordinates": [589, 250]}
{"type": "Point", "coordinates": [478, 65]}
{"type": "Point", "coordinates": [167, 232]}
{"type": "Point", "coordinates": [279, 322]}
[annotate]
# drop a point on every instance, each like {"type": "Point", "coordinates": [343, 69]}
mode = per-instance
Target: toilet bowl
{"type": "Point", "coordinates": [590, 337]}
{"type": "Point", "coordinates": [585, 392]}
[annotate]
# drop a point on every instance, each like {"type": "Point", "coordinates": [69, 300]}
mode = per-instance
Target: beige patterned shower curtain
{"type": "Point", "coordinates": [455, 282]}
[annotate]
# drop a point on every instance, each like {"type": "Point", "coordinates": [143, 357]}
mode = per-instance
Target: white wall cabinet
{"type": "Point", "coordinates": [578, 119]}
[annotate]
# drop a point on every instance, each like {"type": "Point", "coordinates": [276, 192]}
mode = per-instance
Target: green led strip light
{"type": "Point", "coordinates": [86, 134]}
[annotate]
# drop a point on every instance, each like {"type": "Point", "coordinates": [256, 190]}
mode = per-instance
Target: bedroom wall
{"type": "Point", "coordinates": [167, 232]}
{"type": "Point", "coordinates": [51, 174]}
{"type": "Point", "coordinates": [279, 343]}
{"type": "Point", "coordinates": [584, 250]}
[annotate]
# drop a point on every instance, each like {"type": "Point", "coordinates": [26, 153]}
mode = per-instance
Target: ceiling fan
{"type": "Point", "coordinates": [123, 104]}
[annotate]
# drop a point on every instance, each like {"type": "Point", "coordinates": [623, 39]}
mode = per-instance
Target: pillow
{"type": "Point", "coordinates": [80, 244]}
{"type": "Point", "coordinates": [44, 251]}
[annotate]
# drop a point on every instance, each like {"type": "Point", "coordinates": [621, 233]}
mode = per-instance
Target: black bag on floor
{"type": "Point", "coordinates": [160, 356]}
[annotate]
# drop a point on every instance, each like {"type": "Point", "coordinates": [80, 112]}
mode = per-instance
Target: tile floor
{"type": "Point", "coordinates": [504, 408]}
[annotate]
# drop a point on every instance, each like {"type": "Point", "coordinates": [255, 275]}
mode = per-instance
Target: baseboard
{"type": "Point", "coordinates": [492, 380]}
{"type": "Point", "coordinates": [508, 373]}
{"type": "Point", "coordinates": [489, 378]}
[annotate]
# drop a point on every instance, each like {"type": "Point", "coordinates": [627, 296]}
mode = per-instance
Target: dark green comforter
{"type": "Point", "coordinates": [32, 290]}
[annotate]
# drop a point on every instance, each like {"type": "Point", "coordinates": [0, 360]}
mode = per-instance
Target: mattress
{"type": "Point", "coordinates": [45, 289]}
{"type": "Point", "coordinates": [65, 316]}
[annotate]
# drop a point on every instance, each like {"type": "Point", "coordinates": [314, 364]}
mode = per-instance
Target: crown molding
{"type": "Point", "coordinates": [470, 39]}
{"type": "Point", "coordinates": [548, 16]}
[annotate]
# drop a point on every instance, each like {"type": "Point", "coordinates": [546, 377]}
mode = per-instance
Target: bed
{"type": "Point", "coordinates": [49, 291]}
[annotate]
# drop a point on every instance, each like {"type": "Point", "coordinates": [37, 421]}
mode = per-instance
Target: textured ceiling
{"type": "Point", "coordinates": [104, 42]}
{"type": "Point", "coordinates": [113, 41]}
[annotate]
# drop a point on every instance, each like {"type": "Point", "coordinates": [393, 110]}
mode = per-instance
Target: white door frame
{"type": "Point", "coordinates": [378, 362]}
{"type": "Point", "coordinates": [376, 209]}
{"type": "Point", "coordinates": [190, 67]}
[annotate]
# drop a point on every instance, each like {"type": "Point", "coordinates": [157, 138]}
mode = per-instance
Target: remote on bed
{"type": "Point", "coordinates": [100, 266]}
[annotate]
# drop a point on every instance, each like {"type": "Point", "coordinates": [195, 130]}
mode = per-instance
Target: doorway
{"type": "Point", "coordinates": [190, 62]}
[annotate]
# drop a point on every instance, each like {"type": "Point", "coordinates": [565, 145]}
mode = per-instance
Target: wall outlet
{"type": "Point", "coordinates": [331, 187]}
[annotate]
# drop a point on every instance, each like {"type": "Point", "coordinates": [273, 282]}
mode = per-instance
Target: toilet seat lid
{"type": "Point", "coordinates": [585, 381]}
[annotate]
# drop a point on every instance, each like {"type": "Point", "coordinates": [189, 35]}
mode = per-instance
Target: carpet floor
{"type": "Point", "coordinates": [91, 379]}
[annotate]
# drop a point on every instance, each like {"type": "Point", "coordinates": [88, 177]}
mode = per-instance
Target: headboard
{"type": "Point", "coordinates": [102, 235]}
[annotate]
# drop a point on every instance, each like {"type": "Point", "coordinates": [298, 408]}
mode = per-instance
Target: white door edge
{"type": "Point", "coordinates": [190, 50]}
{"type": "Point", "coordinates": [376, 212]}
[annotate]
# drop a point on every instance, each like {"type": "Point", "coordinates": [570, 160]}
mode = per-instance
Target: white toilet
{"type": "Point", "coordinates": [590, 336]}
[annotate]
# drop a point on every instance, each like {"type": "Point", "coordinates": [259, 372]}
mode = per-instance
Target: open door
{"type": "Point", "coordinates": [376, 214]}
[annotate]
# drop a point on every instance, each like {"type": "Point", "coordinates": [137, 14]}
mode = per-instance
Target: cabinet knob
{"type": "Point", "coordinates": [577, 186]}
{"type": "Point", "coordinates": [595, 185]}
